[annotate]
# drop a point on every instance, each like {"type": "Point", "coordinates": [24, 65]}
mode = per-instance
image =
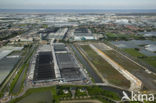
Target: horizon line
{"type": "Point", "coordinates": [69, 9]}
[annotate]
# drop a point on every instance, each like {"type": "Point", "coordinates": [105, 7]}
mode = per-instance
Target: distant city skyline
{"type": "Point", "coordinates": [77, 4]}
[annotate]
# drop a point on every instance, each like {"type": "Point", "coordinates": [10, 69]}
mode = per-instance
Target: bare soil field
{"type": "Point", "coordinates": [108, 72]}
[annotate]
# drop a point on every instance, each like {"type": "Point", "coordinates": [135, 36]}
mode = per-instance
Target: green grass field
{"type": "Point", "coordinates": [35, 91]}
{"type": "Point", "coordinates": [133, 52]}
{"type": "Point", "coordinates": [113, 36]}
{"type": "Point", "coordinates": [149, 60]}
{"type": "Point", "coordinates": [108, 72]}
{"type": "Point", "coordinates": [52, 94]}
{"type": "Point", "coordinates": [123, 61]}
{"type": "Point", "coordinates": [38, 97]}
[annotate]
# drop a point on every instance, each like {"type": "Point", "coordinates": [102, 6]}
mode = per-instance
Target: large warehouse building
{"type": "Point", "coordinates": [83, 34]}
{"type": "Point", "coordinates": [69, 69]}
{"type": "Point", "coordinates": [67, 64]}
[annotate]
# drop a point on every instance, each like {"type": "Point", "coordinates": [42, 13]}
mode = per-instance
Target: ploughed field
{"type": "Point", "coordinates": [108, 72]}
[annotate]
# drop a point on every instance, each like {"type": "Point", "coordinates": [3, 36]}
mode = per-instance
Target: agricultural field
{"type": "Point", "coordinates": [127, 64]}
{"type": "Point", "coordinates": [108, 72]}
{"type": "Point", "coordinates": [134, 68]}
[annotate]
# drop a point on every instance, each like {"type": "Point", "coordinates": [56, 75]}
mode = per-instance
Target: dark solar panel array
{"type": "Point", "coordinates": [44, 69]}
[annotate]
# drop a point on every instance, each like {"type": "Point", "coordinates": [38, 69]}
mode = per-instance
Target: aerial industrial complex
{"type": "Point", "coordinates": [77, 57]}
{"type": "Point", "coordinates": [56, 63]}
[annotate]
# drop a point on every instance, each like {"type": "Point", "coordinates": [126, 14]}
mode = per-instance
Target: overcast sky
{"type": "Point", "coordinates": [78, 4]}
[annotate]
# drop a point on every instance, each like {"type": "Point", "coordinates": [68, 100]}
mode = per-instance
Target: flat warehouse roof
{"type": "Point", "coordinates": [71, 74]}
{"type": "Point", "coordinates": [68, 66]}
{"type": "Point", "coordinates": [45, 48]}
{"type": "Point", "coordinates": [81, 30]}
{"type": "Point", "coordinates": [59, 47]}
{"type": "Point", "coordinates": [66, 60]}
{"type": "Point", "coordinates": [83, 34]}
